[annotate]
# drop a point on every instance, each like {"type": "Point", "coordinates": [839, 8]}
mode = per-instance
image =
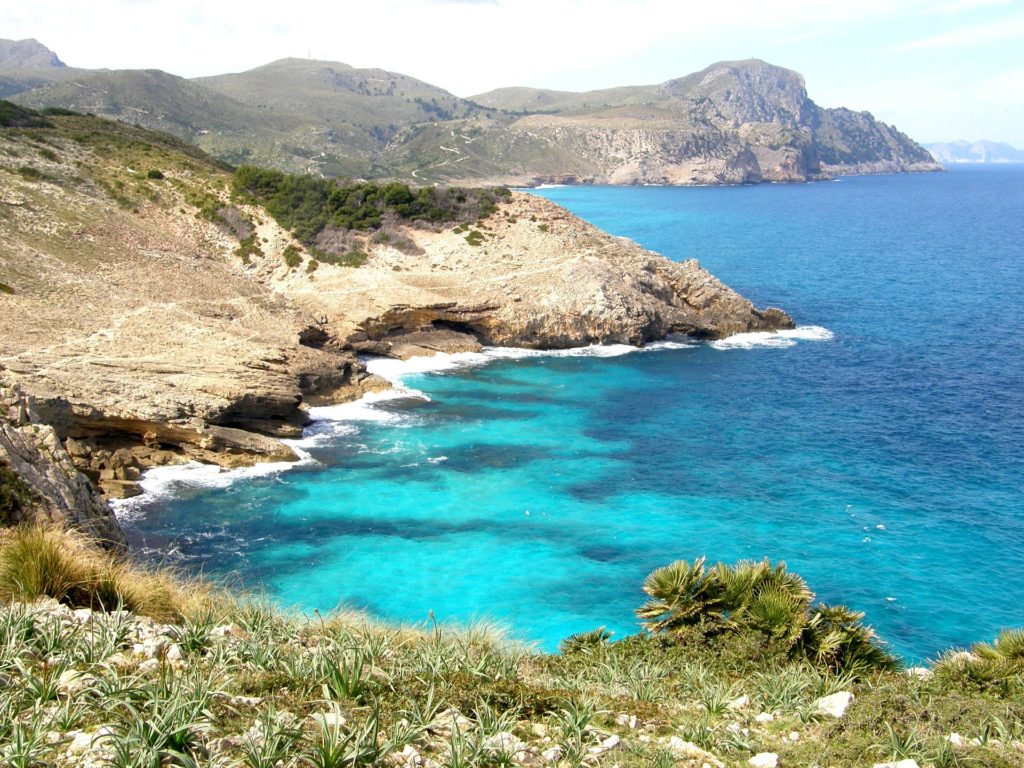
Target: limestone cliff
{"type": "Point", "coordinates": [153, 319]}
{"type": "Point", "coordinates": [540, 278]}
{"type": "Point", "coordinates": [735, 122]}
{"type": "Point", "coordinates": [50, 489]}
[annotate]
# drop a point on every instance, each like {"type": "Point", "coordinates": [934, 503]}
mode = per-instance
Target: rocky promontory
{"type": "Point", "coordinates": [152, 318]}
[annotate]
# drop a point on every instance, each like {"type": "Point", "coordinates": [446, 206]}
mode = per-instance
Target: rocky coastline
{"type": "Point", "coordinates": [142, 338]}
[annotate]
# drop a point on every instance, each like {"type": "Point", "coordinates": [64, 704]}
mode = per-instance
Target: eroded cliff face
{"type": "Point", "coordinates": [51, 488]}
{"type": "Point", "coordinates": [145, 336]}
{"type": "Point", "coordinates": [540, 278]}
{"type": "Point", "coordinates": [739, 122]}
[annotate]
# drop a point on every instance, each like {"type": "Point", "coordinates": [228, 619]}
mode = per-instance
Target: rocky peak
{"type": "Point", "coordinates": [753, 91]}
{"type": "Point", "coordinates": [27, 54]}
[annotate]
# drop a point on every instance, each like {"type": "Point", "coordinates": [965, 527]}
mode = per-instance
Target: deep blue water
{"type": "Point", "coordinates": [885, 464]}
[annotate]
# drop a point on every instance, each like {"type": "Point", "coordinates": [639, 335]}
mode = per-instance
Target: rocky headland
{"type": "Point", "coordinates": [151, 318]}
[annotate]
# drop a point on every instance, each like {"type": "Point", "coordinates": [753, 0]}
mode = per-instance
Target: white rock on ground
{"type": "Point", "coordinates": [689, 749]}
{"type": "Point", "coordinates": [739, 703]}
{"type": "Point", "coordinates": [764, 760]}
{"type": "Point", "coordinates": [551, 755]}
{"type": "Point", "coordinates": [329, 719]}
{"type": "Point", "coordinates": [836, 704]}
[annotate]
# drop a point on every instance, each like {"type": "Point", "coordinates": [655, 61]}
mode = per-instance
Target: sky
{"type": "Point", "coordinates": [937, 69]}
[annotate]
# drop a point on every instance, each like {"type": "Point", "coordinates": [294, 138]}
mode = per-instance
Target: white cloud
{"type": "Point", "coordinates": [1005, 89]}
{"type": "Point", "coordinates": [1011, 28]}
{"type": "Point", "coordinates": [961, 6]}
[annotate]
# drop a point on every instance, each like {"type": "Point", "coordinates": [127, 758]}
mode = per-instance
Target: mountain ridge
{"type": "Point", "coordinates": [28, 54]}
{"type": "Point", "coordinates": [733, 122]}
{"type": "Point", "coordinates": [981, 151]}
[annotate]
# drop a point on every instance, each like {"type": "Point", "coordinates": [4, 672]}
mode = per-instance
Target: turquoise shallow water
{"type": "Point", "coordinates": [883, 463]}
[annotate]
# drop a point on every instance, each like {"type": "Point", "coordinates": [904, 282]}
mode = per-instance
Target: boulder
{"type": "Point", "coordinates": [836, 704]}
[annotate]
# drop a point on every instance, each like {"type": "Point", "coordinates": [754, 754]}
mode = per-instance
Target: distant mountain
{"type": "Point", "coordinates": [734, 122]}
{"type": "Point", "coordinates": [975, 152]}
{"type": "Point", "coordinates": [27, 54]}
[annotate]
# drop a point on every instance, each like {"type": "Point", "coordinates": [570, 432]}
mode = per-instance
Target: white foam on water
{"type": "Point", "coordinates": [333, 421]}
{"type": "Point", "coordinates": [773, 339]}
{"type": "Point", "coordinates": [363, 409]}
{"type": "Point", "coordinates": [395, 370]}
{"type": "Point", "coordinates": [163, 482]}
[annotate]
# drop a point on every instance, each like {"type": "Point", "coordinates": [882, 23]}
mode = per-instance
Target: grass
{"type": "Point", "coordinates": [235, 681]}
{"type": "Point", "coordinates": [37, 561]}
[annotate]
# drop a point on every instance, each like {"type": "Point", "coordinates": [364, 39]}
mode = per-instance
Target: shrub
{"type": "Point", "coordinates": [13, 116]}
{"type": "Point", "coordinates": [542, 227]}
{"type": "Point", "coordinates": [155, 174]}
{"type": "Point", "coordinates": [5, 288]}
{"type": "Point", "coordinates": [49, 154]}
{"type": "Point", "coordinates": [475, 237]}
{"type": "Point", "coordinates": [30, 173]}
{"type": "Point", "coordinates": [767, 599]}
{"type": "Point", "coordinates": [248, 247]}
{"type": "Point", "coordinates": [207, 205]}
{"type": "Point", "coordinates": [15, 494]}
{"type": "Point", "coordinates": [306, 205]}
{"type": "Point", "coordinates": [59, 111]}
{"type": "Point", "coordinates": [292, 256]}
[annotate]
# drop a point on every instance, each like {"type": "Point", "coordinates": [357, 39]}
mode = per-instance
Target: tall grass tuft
{"type": "Point", "coordinates": [38, 561]}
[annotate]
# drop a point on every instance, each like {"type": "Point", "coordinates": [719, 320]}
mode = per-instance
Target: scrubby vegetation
{"type": "Point", "coordinates": [36, 562]}
{"type": "Point", "coordinates": [229, 681]}
{"type": "Point", "coordinates": [292, 256]}
{"type": "Point", "coordinates": [15, 494]}
{"type": "Point", "coordinates": [13, 116]}
{"type": "Point", "coordinates": [766, 600]}
{"type": "Point", "coordinates": [306, 205]}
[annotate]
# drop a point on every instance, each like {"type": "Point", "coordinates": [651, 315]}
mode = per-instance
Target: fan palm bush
{"type": "Point", "coordinates": [756, 596]}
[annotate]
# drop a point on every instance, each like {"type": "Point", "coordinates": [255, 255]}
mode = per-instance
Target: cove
{"type": "Point", "coordinates": [878, 450]}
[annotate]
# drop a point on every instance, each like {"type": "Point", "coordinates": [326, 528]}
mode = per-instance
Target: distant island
{"type": "Point", "coordinates": [982, 151]}
{"type": "Point", "coordinates": [735, 122]}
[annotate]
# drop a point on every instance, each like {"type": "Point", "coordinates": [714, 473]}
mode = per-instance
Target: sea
{"type": "Point", "coordinates": [878, 449]}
